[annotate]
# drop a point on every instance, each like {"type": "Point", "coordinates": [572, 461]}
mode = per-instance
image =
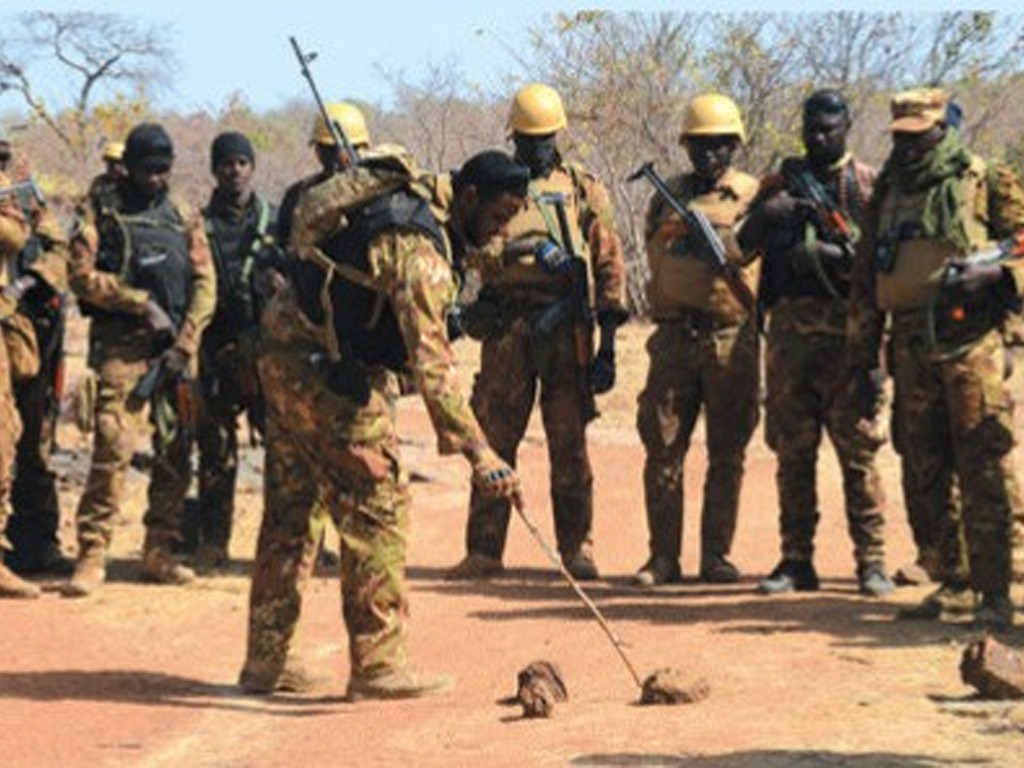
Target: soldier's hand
{"type": "Point", "coordinates": [175, 361]}
{"type": "Point", "coordinates": [17, 289]}
{"type": "Point", "coordinates": [552, 258]}
{"type": "Point", "coordinates": [158, 320]}
{"type": "Point", "coordinates": [972, 278]}
{"type": "Point", "coordinates": [602, 373]}
{"type": "Point", "coordinates": [494, 477]}
{"type": "Point", "coordinates": [783, 208]}
{"type": "Point", "coordinates": [831, 252]}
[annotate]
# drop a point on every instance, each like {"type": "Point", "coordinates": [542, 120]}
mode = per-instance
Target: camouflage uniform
{"type": "Point", "coordinates": [323, 447]}
{"type": "Point", "coordinates": [953, 414]}
{"type": "Point", "coordinates": [121, 349]}
{"type": "Point", "coordinates": [704, 353]}
{"type": "Point", "coordinates": [810, 389]}
{"type": "Point", "coordinates": [243, 247]}
{"type": "Point", "coordinates": [526, 349]}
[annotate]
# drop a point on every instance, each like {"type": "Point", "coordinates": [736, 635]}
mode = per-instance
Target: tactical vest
{"type": "Point", "coordinates": [364, 321]}
{"type": "Point", "coordinates": [680, 280]}
{"type": "Point", "coordinates": [236, 247]}
{"type": "Point", "coordinates": [538, 221]}
{"type": "Point", "coordinates": [150, 250]}
{"type": "Point", "coordinates": [918, 263]}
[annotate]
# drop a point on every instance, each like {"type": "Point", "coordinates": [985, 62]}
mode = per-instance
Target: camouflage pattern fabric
{"type": "Point", "coordinates": [690, 370]}
{"type": "Point", "coordinates": [10, 432]}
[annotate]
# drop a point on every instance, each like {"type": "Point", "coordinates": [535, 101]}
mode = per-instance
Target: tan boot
{"type": "Point", "coordinates": [160, 567]}
{"type": "Point", "coordinates": [90, 573]}
{"type": "Point", "coordinates": [474, 567]}
{"type": "Point", "coordinates": [13, 586]}
{"type": "Point", "coordinates": [294, 678]}
{"type": "Point", "coordinates": [403, 683]}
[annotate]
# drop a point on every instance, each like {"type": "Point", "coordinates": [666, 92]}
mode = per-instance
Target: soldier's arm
{"type": "Point", "coordinates": [419, 283]}
{"type": "Point", "coordinates": [864, 321]}
{"type": "Point", "coordinates": [1005, 204]}
{"type": "Point", "coordinates": [203, 300]}
{"type": "Point", "coordinates": [101, 289]}
{"type": "Point", "coordinates": [52, 265]}
{"type": "Point", "coordinates": [607, 261]}
{"type": "Point", "coordinates": [13, 235]}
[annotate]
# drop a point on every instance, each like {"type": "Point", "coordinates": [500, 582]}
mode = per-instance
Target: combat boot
{"type": "Point", "coordinates": [716, 569]}
{"type": "Point", "coordinates": [403, 683]}
{"type": "Point", "coordinates": [294, 678]}
{"type": "Point", "coordinates": [947, 599]}
{"type": "Point", "coordinates": [90, 573]}
{"type": "Point", "coordinates": [13, 586]}
{"type": "Point", "coordinates": [475, 567]}
{"type": "Point", "coordinates": [210, 558]}
{"type": "Point", "coordinates": [790, 576]}
{"type": "Point", "coordinates": [658, 570]}
{"type": "Point", "coordinates": [873, 581]}
{"type": "Point", "coordinates": [160, 567]}
{"type": "Point", "coordinates": [580, 564]}
{"type": "Point", "coordinates": [995, 612]}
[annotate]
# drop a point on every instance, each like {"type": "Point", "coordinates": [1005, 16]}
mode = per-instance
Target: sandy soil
{"type": "Point", "coordinates": [144, 676]}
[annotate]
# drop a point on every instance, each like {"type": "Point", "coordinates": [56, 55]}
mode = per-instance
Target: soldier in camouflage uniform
{"type": "Point", "coordinates": [532, 337]}
{"type": "Point", "coordinates": [805, 221]}
{"type": "Point", "coordinates": [149, 305]}
{"type": "Point", "coordinates": [13, 236]}
{"type": "Point", "coordinates": [332, 352]}
{"type": "Point", "coordinates": [935, 205]}
{"type": "Point", "coordinates": [240, 227]}
{"type": "Point", "coordinates": [704, 350]}
{"type": "Point", "coordinates": [38, 285]}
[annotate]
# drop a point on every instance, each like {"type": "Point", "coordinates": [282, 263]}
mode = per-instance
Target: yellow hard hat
{"type": "Point", "coordinates": [349, 117]}
{"type": "Point", "coordinates": [113, 151]}
{"type": "Point", "coordinates": [712, 114]}
{"type": "Point", "coordinates": [537, 110]}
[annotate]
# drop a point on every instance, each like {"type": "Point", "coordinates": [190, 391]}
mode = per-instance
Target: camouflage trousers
{"type": "Point", "coordinates": [323, 449]}
{"type": "Point", "coordinates": [119, 365]}
{"type": "Point", "coordinates": [10, 432]}
{"type": "Point", "coordinates": [690, 370]}
{"type": "Point", "coordinates": [954, 425]}
{"type": "Point", "coordinates": [512, 366]}
{"type": "Point", "coordinates": [810, 392]}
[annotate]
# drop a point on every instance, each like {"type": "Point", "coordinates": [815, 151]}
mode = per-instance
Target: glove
{"type": "Point", "coordinates": [602, 373]}
{"type": "Point", "coordinates": [16, 290]}
{"type": "Point", "coordinates": [158, 320]}
{"type": "Point", "coordinates": [175, 361]}
{"type": "Point", "coordinates": [496, 478]}
{"type": "Point", "coordinates": [552, 258]}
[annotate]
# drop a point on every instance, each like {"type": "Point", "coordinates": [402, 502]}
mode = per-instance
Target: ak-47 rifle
{"type": "Point", "coordinates": [24, 190]}
{"type": "Point", "coordinates": [829, 220]}
{"type": "Point", "coordinates": [709, 244]}
{"type": "Point", "coordinates": [579, 300]}
{"type": "Point", "coordinates": [1006, 250]}
{"type": "Point", "coordinates": [347, 156]}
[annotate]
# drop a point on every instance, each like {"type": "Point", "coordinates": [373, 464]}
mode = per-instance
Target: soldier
{"type": "Point", "coordinates": [240, 227]}
{"type": "Point", "coordinates": [704, 350]}
{"type": "Point", "coordinates": [535, 304]}
{"type": "Point", "coordinates": [38, 285]}
{"type": "Point", "coordinates": [935, 204]}
{"type": "Point", "coordinates": [332, 350]}
{"type": "Point", "coordinates": [13, 236]}
{"type": "Point", "coordinates": [142, 270]}
{"type": "Point", "coordinates": [805, 221]}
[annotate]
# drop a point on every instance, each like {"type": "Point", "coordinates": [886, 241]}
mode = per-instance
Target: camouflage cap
{"type": "Point", "coordinates": [918, 110]}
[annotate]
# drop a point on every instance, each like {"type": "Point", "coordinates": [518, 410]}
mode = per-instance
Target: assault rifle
{"type": "Point", "coordinates": [829, 220]}
{"type": "Point", "coordinates": [25, 190]}
{"type": "Point", "coordinates": [1006, 250]}
{"type": "Point", "coordinates": [579, 301]}
{"type": "Point", "coordinates": [347, 156]}
{"type": "Point", "coordinates": [709, 244]}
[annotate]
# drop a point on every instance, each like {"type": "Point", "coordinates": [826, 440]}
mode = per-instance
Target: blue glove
{"type": "Point", "coordinates": [552, 258]}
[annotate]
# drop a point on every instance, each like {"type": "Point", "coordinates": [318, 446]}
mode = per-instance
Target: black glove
{"type": "Point", "coordinates": [602, 373]}
{"type": "Point", "coordinates": [552, 258]}
{"type": "Point", "coordinates": [16, 290]}
{"type": "Point", "coordinates": [158, 320]}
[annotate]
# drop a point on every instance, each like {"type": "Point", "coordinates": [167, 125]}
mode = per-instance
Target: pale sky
{"type": "Point", "coordinates": [225, 46]}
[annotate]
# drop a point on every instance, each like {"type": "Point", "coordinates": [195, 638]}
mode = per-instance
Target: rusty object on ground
{"type": "Point", "coordinates": [995, 670]}
{"type": "Point", "coordinates": [540, 686]}
{"type": "Point", "coordinates": [670, 686]}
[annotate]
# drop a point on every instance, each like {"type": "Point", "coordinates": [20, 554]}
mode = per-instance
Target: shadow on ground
{"type": "Point", "coordinates": [775, 759]}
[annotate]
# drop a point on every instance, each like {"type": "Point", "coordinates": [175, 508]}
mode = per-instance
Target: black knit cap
{"type": "Point", "coordinates": [230, 144]}
{"type": "Point", "coordinates": [148, 143]}
{"type": "Point", "coordinates": [493, 172]}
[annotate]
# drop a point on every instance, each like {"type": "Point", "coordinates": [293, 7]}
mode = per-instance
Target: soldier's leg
{"type": "Point", "coordinates": [730, 383]}
{"type": "Point", "coordinates": [503, 395]}
{"type": "Point", "coordinates": [218, 470]}
{"type": "Point", "coordinates": [667, 411]}
{"type": "Point", "coordinates": [793, 421]}
{"type": "Point", "coordinates": [572, 481]}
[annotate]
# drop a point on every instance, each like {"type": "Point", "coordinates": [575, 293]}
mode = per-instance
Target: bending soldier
{"type": "Point", "coordinates": [560, 255]}
{"type": "Point", "coordinates": [805, 222]}
{"type": "Point", "coordinates": [142, 270]}
{"type": "Point", "coordinates": [366, 302]}
{"type": "Point", "coordinates": [935, 205]}
{"type": "Point", "coordinates": [704, 350]}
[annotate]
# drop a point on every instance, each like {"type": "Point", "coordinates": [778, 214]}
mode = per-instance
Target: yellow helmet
{"type": "Point", "coordinates": [113, 151]}
{"type": "Point", "coordinates": [349, 117]}
{"type": "Point", "coordinates": [712, 114]}
{"type": "Point", "coordinates": [537, 110]}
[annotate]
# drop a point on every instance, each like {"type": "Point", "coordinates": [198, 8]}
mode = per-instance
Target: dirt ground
{"type": "Point", "coordinates": [144, 676]}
